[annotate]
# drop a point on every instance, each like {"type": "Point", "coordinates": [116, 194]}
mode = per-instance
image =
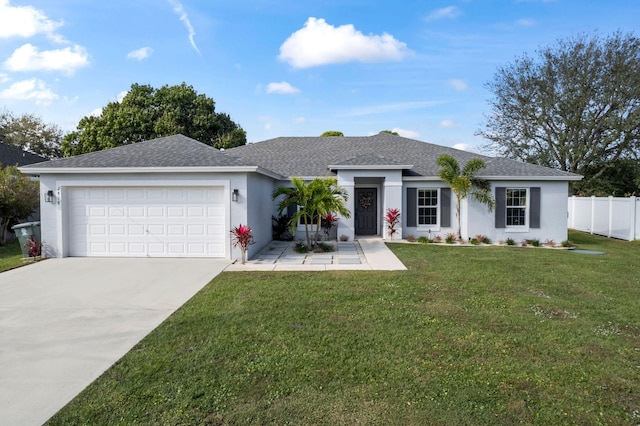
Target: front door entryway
{"type": "Point", "coordinates": [366, 211]}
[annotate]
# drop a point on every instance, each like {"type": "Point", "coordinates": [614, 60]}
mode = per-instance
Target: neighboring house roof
{"type": "Point", "coordinates": [313, 156]}
{"type": "Point", "coordinates": [11, 155]}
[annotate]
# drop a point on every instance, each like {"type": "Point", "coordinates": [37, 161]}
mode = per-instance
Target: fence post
{"type": "Point", "coordinates": [634, 218]}
{"type": "Point", "coordinates": [593, 213]}
{"type": "Point", "coordinates": [610, 221]}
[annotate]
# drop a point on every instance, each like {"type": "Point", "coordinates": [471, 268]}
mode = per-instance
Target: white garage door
{"type": "Point", "coordinates": [147, 222]}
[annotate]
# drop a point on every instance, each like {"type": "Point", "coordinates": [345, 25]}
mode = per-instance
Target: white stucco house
{"type": "Point", "coordinates": [177, 197]}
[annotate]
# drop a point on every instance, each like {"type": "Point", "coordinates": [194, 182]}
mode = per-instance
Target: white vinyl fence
{"type": "Point", "coordinates": [609, 216]}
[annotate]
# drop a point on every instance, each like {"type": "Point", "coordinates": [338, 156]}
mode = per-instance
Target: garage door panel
{"type": "Point", "coordinates": [177, 212]}
{"type": "Point", "coordinates": [183, 222]}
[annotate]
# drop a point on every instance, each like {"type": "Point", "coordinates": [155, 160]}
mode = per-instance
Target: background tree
{"type": "Point", "coordinates": [19, 197]}
{"type": "Point", "coordinates": [465, 182]}
{"type": "Point", "coordinates": [575, 107]}
{"type": "Point", "coordinates": [147, 113]}
{"type": "Point", "coordinates": [314, 200]}
{"type": "Point", "coordinates": [391, 132]}
{"type": "Point", "coordinates": [620, 178]}
{"type": "Point", "coordinates": [332, 133]}
{"type": "Point", "coordinates": [29, 133]}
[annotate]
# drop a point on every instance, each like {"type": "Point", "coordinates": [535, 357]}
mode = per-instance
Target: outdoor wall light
{"type": "Point", "coordinates": [48, 196]}
{"type": "Point", "coordinates": [234, 195]}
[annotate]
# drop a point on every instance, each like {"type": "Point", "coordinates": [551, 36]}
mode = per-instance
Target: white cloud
{"type": "Point", "coordinates": [450, 12]}
{"type": "Point", "coordinates": [96, 112]}
{"type": "Point", "coordinates": [121, 95]}
{"type": "Point", "coordinates": [29, 58]}
{"type": "Point", "coordinates": [449, 124]}
{"type": "Point", "coordinates": [25, 21]}
{"type": "Point", "coordinates": [411, 134]}
{"type": "Point", "coordinates": [179, 10]}
{"type": "Point", "coordinates": [265, 121]}
{"type": "Point", "coordinates": [282, 88]}
{"type": "Point", "coordinates": [525, 23]}
{"type": "Point", "coordinates": [319, 43]}
{"type": "Point", "coordinates": [140, 54]}
{"type": "Point", "coordinates": [4, 77]}
{"type": "Point", "coordinates": [32, 89]}
{"type": "Point", "coordinates": [463, 147]}
{"type": "Point", "coordinates": [299, 120]}
{"type": "Point", "coordinates": [458, 85]}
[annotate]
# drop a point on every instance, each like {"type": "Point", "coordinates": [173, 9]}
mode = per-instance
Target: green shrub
{"type": "Point", "coordinates": [423, 240]}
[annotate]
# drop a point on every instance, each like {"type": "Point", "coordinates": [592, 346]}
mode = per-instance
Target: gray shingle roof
{"type": "Point", "coordinates": [297, 156]}
{"type": "Point", "coordinates": [11, 155]}
{"type": "Point", "coordinates": [170, 151]}
{"type": "Point", "coordinates": [311, 156]}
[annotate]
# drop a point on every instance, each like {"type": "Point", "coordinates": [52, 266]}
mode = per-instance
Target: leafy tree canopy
{"type": "Point", "coordinates": [29, 133]}
{"type": "Point", "coordinates": [332, 133]}
{"type": "Point", "coordinates": [19, 196]}
{"type": "Point", "coordinates": [391, 132]}
{"type": "Point", "coordinates": [147, 113]}
{"type": "Point", "coordinates": [574, 107]}
{"type": "Point", "coordinates": [620, 178]}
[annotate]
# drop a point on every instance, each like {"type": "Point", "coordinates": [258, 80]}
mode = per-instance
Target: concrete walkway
{"type": "Point", "coordinates": [364, 254]}
{"type": "Point", "coordinates": [63, 322]}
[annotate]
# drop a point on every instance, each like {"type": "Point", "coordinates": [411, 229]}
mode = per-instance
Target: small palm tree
{"type": "Point", "coordinates": [315, 200]}
{"type": "Point", "coordinates": [464, 182]}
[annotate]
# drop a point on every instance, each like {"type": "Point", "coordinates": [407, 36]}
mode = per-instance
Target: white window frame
{"type": "Point", "coordinates": [525, 226]}
{"type": "Point", "coordinates": [434, 226]}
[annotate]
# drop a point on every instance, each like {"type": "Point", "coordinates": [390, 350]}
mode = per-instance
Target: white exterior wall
{"type": "Point", "coordinates": [53, 216]}
{"type": "Point", "coordinates": [429, 231]}
{"type": "Point", "coordinates": [389, 186]}
{"type": "Point", "coordinates": [476, 218]}
{"type": "Point", "coordinates": [259, 208]}
{"type": "Point", "coordinates": [553, 214]}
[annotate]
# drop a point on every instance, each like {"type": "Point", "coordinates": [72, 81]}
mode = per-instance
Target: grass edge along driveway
{"type": "Point", "coordinates": [468, 335]}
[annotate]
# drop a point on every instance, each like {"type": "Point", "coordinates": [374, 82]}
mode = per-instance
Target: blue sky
{"type": "Point", "coordinates": [283, 68]}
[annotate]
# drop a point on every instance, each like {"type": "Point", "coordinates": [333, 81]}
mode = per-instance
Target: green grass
{"type": "Point", "coordinates": [466, 336]}
{"type": "Point", "coordinates": [11, 256]}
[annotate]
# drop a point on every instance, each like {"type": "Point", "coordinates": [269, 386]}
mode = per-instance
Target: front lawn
{"type": "Point", "coordinates": [11, 256]}
{"type": "Point", "coordinates": [466, 336]}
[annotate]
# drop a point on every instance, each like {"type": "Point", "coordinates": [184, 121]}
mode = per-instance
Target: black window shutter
{"type": "Point", "coordinates": [501, 210]}
{"type": "Point", "coordinates": [412, 209]}
{"type": "Point", "coordinates": [534, 208]}
{"type": "Point", "coordinates": [445, 207]}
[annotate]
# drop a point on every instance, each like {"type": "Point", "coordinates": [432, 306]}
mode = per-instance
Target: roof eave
{"type": "Point", "coordinates": [120, 170]}
{"type": "Point", "coordinates": [370, 166]}
{"type": "Point", "coordinates": [501, 178]}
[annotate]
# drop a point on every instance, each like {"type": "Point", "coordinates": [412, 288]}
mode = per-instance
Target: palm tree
{"type": "Point", "coordinates": [464, 182]}
{"type": "Point", "coordinates": [328, 197]}
{"type": "Point", "coordinates": [314, 200]}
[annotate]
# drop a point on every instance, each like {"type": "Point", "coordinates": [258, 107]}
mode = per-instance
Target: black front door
{"type": "Point", "coordinates": [366, 211]}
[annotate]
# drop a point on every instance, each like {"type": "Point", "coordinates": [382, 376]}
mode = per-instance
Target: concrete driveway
{"type": "Point", "coordinates": [63, 322]}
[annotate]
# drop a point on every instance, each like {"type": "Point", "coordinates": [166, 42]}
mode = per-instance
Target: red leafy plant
{"type": "Point", "coordinates": [35, 248]}
{"type": "Point", "coordinates": [392, 217]}
{"type": "Point", "coordinates": [243, 238]}
{"type": "Point", "coordinates": [328, 222]}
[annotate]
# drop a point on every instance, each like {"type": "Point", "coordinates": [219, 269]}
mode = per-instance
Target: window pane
{"type": "Point", "coordinates": [516, 216]}
{"type": "Point", "coordinates": [516, 197]}
{"type": "Point", "coordinates": [516, 207]}
{"type": "Point", "coordinates": [427, 207]}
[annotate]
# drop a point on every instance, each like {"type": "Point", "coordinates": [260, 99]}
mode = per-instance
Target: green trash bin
{"type": "Point", "coordinates": [23, 232]}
